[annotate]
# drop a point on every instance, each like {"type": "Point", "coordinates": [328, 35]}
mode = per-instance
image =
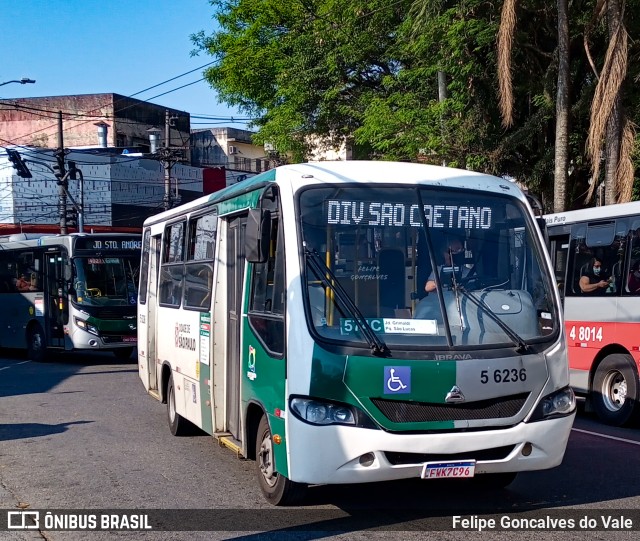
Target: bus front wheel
{"type": "Point", "coordinates": [178, 425]}
{"type": "Point", "coordinates": [36, 344]}
{"type": "Point", "coordinates": [277, 489]}
{"type": "Point", "coordinates": [615, 390]}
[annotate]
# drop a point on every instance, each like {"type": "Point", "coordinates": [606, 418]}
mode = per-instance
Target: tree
{"type": "Point", "coordinates": [561, 175]}
{"type": "Point", "coordinates": [367, 71]}
{"type": "Point", "coordinates": [609, 127]}
{"type": "Point", "coordinates": [302, 68]}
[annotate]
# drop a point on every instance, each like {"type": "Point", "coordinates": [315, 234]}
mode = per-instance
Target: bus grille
{"type": "Point", "coordinates": [126, 312]}
{"type": "Point", "coordinates": [497, 453]}
{"type": "Point", "coordinates": [399, 411]}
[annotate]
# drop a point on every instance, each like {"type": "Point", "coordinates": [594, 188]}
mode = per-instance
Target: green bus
{"type": "Point", "coordinates": [69, 292]}
{"type": "Point", "coordinates": [287, 316]}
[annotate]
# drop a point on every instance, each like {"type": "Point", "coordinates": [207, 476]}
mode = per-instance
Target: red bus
{"type": "Point", "coordinates": [596, 259]}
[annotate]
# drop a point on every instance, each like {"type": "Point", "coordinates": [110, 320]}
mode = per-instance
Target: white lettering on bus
{"type": "Point", "coordinates": [184, 342]}
{"type": "Point", "coordinates": [400, 215]}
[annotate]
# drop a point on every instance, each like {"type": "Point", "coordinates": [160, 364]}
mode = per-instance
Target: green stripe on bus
{"type": "Point", "coordinates": [361, 380]}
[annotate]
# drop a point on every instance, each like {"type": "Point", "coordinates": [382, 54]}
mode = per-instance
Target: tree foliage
{"type": "Point", "coordinates": [365, 71]}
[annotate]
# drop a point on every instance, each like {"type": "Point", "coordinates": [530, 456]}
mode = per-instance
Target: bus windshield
{"type": "Point", "coordinates": [474, 276]}
{"type": "Point", "coordinates": [105, 281]}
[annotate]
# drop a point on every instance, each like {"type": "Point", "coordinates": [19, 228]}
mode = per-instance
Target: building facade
{"type": "Point", "coordinates": [230, 148]}
{"type": "Point", "coordinates": [116, 191]}
{"type": "Point", "coordinates": [110, 137]}
{"type": "Point", "coordinates": [34, 122]}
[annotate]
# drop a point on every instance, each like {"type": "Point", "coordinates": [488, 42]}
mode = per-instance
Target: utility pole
{"type": "Point", "coordinates": [168, 157]}
{"type": "Point", "coordinates": [62, 176]}
{"type": "Point", "coordinates": [62, 179]}
{"type": "Point", "coordinates": [166, 162]}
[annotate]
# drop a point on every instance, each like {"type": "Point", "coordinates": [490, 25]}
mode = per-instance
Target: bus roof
{"type": "Point", "coordinates": [22, 240]}
{"type": "Point", "coordinates": [353, 171]}
{"type": "Point", "coordinates": [594, 213]}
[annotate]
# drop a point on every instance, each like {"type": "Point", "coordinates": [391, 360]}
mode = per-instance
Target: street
{"type": "Point", "coordinates": [80, 433]}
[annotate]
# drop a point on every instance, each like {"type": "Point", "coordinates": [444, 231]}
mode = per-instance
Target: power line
{"type": "Point", "coordinates": [123, 99]}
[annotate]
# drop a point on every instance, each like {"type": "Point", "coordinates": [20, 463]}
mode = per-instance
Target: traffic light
{"type": "Point", "coordinates": [18, 164]}
{"type": "Point", "coordinates": [71, 217]}
{"type": "Point", "coordinates": [72, 170]}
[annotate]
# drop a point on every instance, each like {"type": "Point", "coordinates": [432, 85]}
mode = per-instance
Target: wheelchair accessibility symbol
{"type": "Point", "coordinates": [397, 380]}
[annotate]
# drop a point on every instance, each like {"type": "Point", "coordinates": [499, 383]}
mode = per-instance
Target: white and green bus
{"type": "Point", "coordinates": [287, 316]}
{"type": "Point", "coordinates": [69, 292]}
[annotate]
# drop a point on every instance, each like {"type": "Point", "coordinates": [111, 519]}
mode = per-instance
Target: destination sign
{"type": "Point", "coordinates": [403, 215]}
{"type": "Point", "coordinates": [109, 244]}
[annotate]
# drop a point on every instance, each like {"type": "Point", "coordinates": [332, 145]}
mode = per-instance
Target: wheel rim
{"type": "Point", "coordinates": [614, 390]}
{"type": "Point", "coordinates": [36, 342]}
{"type": "Point", "coordinates": [172, 405]}
{"type": "Point", "coordinates": [265, 460]}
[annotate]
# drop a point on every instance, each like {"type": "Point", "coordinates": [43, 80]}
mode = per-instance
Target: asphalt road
{"type": "Point", "coordinates": [81, 434]}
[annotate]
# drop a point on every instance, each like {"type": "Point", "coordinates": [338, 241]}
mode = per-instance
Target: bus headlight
{"type": "Point", "coordinates": [82, 324]}
{"type": "Point", "coordinates": [319, 412]}
{"type": "Point", "coordinates": [557, 404]}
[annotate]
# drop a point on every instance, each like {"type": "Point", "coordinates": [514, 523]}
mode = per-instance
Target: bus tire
{"type": "Point", "coordinates": [615, 390]}
{"type": "Point", "coordinates": [178, 425]}
{"type": "Point", "coordinates": [36, 344]}
{"type": "Point", "coordinates": [277, 489]}
{"type": "Point", "coordinates": [123, 353]}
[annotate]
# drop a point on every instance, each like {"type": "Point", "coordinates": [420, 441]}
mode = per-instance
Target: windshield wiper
{"type": "Point", "coordinates": [515, 337]}
{"type": "Point", "coordinates": [320, 268]}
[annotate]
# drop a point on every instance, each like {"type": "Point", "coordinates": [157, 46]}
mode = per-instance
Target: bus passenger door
{"type": "Point", "coordinates": [147, 318]}
{"type": "Point", "coordinates": [56, 310]}
{"type": "Point", "coordinates": [235, 284]}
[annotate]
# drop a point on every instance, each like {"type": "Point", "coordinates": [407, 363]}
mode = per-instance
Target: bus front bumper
{"type": "Point", "coordinates": [81, 339]}
{"type": "Point", "coordinates": [342, 454]}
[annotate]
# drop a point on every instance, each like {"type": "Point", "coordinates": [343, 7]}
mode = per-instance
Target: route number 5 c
{"type": "Point", "coordinates": [586, 334]}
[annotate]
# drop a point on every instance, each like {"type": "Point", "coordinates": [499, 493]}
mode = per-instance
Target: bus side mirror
{"type": "Point", "coordinates": [257, 236]}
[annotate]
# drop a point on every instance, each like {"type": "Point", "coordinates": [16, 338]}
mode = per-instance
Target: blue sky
{"type": "Point", "coordinates": [121, 46]}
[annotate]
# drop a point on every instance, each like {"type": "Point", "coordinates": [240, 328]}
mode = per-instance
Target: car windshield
{"type": "Point", "coordinates": [473, 277]}
{"type": "Point", "coordinates": [105, 281]}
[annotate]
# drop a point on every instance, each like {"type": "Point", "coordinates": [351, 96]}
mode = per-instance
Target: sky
{"type": "Point", "coordinates": [112, 46]}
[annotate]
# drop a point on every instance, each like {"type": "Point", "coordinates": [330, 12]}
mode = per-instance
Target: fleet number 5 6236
{"type": "Point", "coordinates": [586, 334]}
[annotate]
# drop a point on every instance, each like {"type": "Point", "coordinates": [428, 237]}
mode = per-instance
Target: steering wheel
{"type": "Point", "coordinates": [93, 292]}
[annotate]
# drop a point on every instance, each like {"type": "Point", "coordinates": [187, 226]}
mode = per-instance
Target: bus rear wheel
{"type": "Point", "coordinates": [615, 390]}
{"type": "Point", "coordinates": [178, 425]}
{"type": "Point", "coordinates": [277, 489]}
{"type": "Point", "coordinates": [36, 344]}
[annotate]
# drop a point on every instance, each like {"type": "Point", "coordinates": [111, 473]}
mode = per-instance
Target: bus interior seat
{"type": "Point", "coordinates": [391, 290]}
{"type": "Point", "coordinates": [617, 277]}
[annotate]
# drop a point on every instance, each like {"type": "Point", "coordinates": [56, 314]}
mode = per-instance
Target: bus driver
{"type": "Point", "coordinates": [454, 250]}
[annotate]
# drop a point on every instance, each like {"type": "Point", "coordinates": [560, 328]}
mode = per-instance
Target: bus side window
{"type": "Point", "coordinates": [172, 269]}
{"type": "Point", "coordinates": [266, 312]}
{"type": "Point", "coordinates": [198, 278]}
{"type": "Point", "coordinates": [560, 252]}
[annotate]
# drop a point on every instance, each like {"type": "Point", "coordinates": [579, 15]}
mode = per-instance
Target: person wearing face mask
{"type": "Point", "coordinates": [594, 280]}
{"type": "Point", "coordinates": [634, 278]}
{"type": "Point", "coordinates": [453, 253]}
